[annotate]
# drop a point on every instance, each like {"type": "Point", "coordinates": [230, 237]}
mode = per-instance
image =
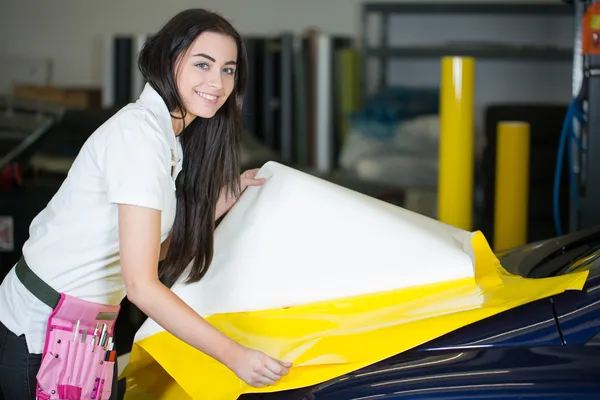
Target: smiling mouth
{"type": "Point", "coordinates": [208, 97]}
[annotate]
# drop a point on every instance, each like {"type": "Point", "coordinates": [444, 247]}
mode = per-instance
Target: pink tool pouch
{"type": "Point", "coordinates": [78, 362]}
{"type": "Point", "coordinates": [78, 359]}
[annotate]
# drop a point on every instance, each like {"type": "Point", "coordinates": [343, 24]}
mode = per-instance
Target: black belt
{"type": "Point", "coordinates": [36, 285]}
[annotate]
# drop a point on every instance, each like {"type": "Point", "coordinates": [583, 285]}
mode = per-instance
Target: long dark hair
{"type": "Point", "coordinates": [210, 145]}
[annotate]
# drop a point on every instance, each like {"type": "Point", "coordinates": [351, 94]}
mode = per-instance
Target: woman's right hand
{"type": "Point", "coordinates": [258, 369]}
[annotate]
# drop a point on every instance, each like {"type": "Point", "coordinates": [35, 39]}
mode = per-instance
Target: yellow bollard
{"type": "Point", "coordinates": [455, 181]}
{"type": "Point", "coordinates": [512, 185]}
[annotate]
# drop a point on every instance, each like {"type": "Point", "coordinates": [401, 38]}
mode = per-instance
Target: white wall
{"type": "Point", "coordinates": [70, 31]}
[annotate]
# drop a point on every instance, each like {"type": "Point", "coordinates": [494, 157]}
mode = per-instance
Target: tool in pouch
{"type": "Point", "coordinates": [78, 357]}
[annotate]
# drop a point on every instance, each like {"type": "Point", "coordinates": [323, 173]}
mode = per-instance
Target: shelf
{"type": "Point", "coordinates": [554, 8]}
{"type": "Point", "coordinates": [481, 52]}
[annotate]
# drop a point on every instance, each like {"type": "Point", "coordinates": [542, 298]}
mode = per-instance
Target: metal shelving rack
{"type": "Point", "coordinates": [579, 7]}
{"type": "Point", "coordinates": [590, 212]}
{"type": "Point", "coordinates": [384, 52]}
{"type": "Point", "coordinates": [588, 66]}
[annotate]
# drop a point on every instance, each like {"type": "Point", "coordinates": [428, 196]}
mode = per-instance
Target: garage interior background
{"type": "Point", "coordinates": [343, 89]}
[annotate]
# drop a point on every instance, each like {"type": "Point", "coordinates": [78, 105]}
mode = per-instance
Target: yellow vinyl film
{"type": "Point", "coordinates": [328, 339]}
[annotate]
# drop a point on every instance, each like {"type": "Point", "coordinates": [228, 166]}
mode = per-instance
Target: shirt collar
{"type": "Point", "coordinates": [151, 99]}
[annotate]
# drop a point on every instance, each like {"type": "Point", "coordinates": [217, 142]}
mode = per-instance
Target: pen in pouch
{"type": "Point", "coordinates": [110, 354]}
{"type": "Point", "coordinates": [76, 330]}
{"type": "Point", "coordinates": [95, 336]}
{"type": "Point", "coordinates": [113, 352]}
{"type": "Point", "coordinates": [103, 335]}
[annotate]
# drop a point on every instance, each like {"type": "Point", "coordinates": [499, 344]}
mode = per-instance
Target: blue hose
{"type": "Point", "coordinates": [567, 137]}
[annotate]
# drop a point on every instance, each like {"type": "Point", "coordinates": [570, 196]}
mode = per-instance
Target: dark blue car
{"type": "Point", "coordinates": [548, 349]}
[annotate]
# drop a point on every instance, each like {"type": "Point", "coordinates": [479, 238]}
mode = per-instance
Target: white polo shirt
{"type": "Point", "coordinates": [133, 158]}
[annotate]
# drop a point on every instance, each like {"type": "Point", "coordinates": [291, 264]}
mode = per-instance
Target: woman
{"type": "Point", "coordinates": [161, 170]}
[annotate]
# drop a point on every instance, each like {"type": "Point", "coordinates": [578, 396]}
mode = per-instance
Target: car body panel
{"type": "Point", "coordinates": [477, 373]}
{"type": "Point", "coordinates": [527, 325]}
{"type": "Point", "coordinates": [516, 354]}
{"type": "Point", "coordinates": [547, 349]}
{"type": "Point", "coordinates": [578, 313]}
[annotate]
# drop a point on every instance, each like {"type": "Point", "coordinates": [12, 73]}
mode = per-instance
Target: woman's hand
{"type": "Point", "coordinates": [248, 178]}
{"type": "Point", "coordinates": [257, 369]}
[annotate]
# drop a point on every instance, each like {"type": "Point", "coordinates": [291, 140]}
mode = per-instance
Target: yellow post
{"type": "Point", "coordinates": [512, 185]}
{"type": "Point", "coordinates": [455, 181]}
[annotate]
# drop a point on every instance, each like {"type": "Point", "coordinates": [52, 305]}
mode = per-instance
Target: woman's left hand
{"type": "Point", "coordinates": [248, 178]}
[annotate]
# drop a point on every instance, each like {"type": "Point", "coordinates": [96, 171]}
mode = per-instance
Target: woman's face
{"type": "Point", "coordinates": [205, 74]}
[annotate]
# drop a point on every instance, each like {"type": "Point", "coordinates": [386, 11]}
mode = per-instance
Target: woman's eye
{"type": "Point", "coordinates": [229, 71]}
{"type": "Point", "coordinates": [202, 65]}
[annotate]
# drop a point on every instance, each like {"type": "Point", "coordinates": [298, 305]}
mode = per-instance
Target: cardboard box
{"type": "Point", "coordinates": [71, 97]}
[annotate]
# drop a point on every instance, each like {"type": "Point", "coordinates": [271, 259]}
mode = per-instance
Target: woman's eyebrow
{"type": "Point", "coordinates": [232, 62]}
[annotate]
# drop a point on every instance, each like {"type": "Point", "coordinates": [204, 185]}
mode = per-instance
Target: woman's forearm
{"type": "Point", "coordinates": [139, 240]}
{"type": "Point", "coordinates": [174, 315]}
{"type": "Point", "coordinates": [220, 211]}
{"type": "Point", "coordinates": [224, 204]}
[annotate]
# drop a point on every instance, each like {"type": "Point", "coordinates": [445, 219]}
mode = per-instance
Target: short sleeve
{"type": "Point", "coordinates": [137, 168]}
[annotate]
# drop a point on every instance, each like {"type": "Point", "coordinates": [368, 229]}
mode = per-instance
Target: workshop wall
{"type": "Point", "coordinates": [70, 31]}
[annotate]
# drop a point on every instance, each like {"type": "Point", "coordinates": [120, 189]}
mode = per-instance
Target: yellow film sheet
{"type": "Point", "coordinates": [331, 280]}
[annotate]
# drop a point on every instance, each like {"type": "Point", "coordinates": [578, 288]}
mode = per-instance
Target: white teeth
{"type": "Point", "coordinates": [207, 96]}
